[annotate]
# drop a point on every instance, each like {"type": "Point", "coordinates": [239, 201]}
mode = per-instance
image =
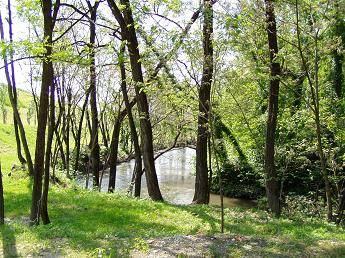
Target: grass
{"type": "Point", "coordinates": [90, 224]}
{"type": "Point", "coordinates": [8, 152]}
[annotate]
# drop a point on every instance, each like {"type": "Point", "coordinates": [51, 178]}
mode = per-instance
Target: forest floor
{"type": "Point", "coordinates": [93, 224]}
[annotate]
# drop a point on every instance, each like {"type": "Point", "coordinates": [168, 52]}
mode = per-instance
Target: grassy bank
{"type": "Point", "coordinates": [8, 151]}
{"type": "Point", "coordinates": [90, 223]}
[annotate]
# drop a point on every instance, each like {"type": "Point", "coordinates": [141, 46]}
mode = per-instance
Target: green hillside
{"type": "Point", "coordinates": [26, 106]}
{"type": "Point", "coordinates": [8, 152]}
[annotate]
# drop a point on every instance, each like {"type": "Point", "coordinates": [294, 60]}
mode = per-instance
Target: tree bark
{"type": "Point", "coordinates": [272, 181]}
{"type": "Point", "coordinates": [201, 194]}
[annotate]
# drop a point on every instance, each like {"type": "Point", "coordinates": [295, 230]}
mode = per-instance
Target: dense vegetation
{"type": "Point", "coordinates": [256, 87]}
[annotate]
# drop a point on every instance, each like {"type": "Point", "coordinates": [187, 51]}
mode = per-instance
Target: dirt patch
{"type": "Point", "coordinates": [197, 246]}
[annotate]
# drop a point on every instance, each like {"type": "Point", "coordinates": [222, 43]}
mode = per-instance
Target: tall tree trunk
{"type": "Point", "coordinates": [51, 127]}
{"type": "Point", "coordinates": [95, 159]}
{"type": "Point", "coordinates": [134, 135]}
{"type": "Point", "coordinates": [316, 103]}
{"type": "Point", "coordinates": [47, 82]}
{"type": "Point", "coordinates": [129, 34]}
{"type": "Point", "coordinates": [201, 194]}
{"type": "Point", "coordinates": [272, 181]}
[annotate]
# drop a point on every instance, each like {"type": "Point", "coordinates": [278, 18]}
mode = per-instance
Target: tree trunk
{"type": "Point", "coordinates": [114, 145]}
{"type": "Point", "coordinates": [79, 131]}
{"type": "Point", "coordinates": [129, 34]}
{"type": "Point", "coordinates": [47, 82]}
{"type": "Point", "coordinates": [338, 56]}
{"type": "Point", "coordinates": [201, 194]}
{"type": "Point", "coordinates": [314, 90]}
{"type": "Point", "coordinates": [67, 133]}
{"type": "Point", "coordinates": [95, 159]}
{"type": "Point", "coordinates": [51, 126]}
{"type": "Point", "coordinates": [14, 87]}
{"type": "Point", "coordinates": [14, 105]}
{"type": "Point", "coordinates": [134, 135]}
{"type": "Point", "coordinates": [272, 181]}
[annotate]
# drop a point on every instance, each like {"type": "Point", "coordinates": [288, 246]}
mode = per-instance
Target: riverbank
{"type": "Point", "coordinates": [93, 224]}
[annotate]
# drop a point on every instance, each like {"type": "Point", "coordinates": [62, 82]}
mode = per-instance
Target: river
{"type": "Point", "coordinates": [176, 176]}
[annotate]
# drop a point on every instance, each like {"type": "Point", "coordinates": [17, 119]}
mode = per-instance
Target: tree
{"type": "Point", "coordinates": [138, 161]}
{"type": "Point", "coordinates": [49, 12]}
{"type": "Point", "coordinates": [128, 33]}
{"type": "Point", "coordinates": [314, 86]}
{"type": "Point", "coordinates": [95, 160]}
{"type": "Point", "coordinates": [14, 103]}
{"type": "Point", "coordinates": [14, 87]}
{"type": "Point", "coordinates": [272, 181]}
{"type": "Point", "coordinates": [201, 194]}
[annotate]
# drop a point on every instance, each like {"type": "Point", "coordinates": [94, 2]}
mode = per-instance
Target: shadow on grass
{"type": "Point", "coordinates": [8, 241]}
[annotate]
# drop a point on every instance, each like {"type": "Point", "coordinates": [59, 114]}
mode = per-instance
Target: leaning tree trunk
{"type": "Point", "coordinates": [272, 181]}
{"type": "Point", "coordinates": [201, 194]}
{"type": "Point", "coordinates": [14, 88]}
{"type": "Point", "coordinates": [134, 135]}
{"type": "Point", "coordinates": [47, 82]}
{"type": "Point", "coordinates": [129, 34]}
{"type": "Point", "coordinates": [14, 105]}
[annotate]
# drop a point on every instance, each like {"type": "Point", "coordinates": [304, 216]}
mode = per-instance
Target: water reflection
{"type": "Point", "coordinates": [175, 172]}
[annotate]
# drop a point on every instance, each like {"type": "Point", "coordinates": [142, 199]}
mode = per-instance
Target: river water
{"type": "Point", "coordinates": [176, 176]}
